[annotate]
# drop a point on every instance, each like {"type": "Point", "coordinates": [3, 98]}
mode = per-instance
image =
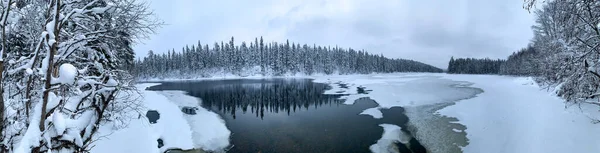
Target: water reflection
{"type": "Point", "coordinates": [257, 96]}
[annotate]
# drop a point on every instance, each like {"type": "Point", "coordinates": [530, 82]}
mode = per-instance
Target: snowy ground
{"type": "Point", "coordinates": [495, 113]}
{"type": "Point", "coordinates": [515, 115]}
{"type": "Point", "coordinates": [176, 129]}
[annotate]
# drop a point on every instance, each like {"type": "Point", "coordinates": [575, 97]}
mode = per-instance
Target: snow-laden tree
{"type": "Point", "coordinates": [565, 48]}
{"type": "Point", "coordinates": [67, 70]}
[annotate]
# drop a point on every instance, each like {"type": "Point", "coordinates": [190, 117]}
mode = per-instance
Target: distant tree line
{"type": "Point", "coordinates": [474, 66]}
{"type": "Point", "coordinates": [524, 62]}
{"type": "Point", "coordinates": [268, 59]}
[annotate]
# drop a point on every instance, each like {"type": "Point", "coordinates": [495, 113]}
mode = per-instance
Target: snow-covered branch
{"type": "Point", "coordinates": [66, 74]}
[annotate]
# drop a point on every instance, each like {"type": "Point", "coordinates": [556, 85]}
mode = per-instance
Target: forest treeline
{"type": "Point", "coordinates": [474, 66]}
{"type": "Point", "coordinates": [268, 59]}
{"type": "Point", "coordinates": [563, 54]}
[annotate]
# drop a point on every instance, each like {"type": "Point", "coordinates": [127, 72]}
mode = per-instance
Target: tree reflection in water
{"type": "Point", "coordinates": [275, 96]}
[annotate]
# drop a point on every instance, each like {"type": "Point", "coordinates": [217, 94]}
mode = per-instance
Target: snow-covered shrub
{"type": "Point", "coordinates": [66, 78]}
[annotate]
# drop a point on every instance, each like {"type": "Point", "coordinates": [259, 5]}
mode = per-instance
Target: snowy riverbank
{"type": "Point", "coordinates": [176, 129]}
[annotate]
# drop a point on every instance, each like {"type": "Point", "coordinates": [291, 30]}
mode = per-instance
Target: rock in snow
{"type": "Point", "coordinates": [189, 110]}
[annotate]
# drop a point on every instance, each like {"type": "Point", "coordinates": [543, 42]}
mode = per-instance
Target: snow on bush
{"type": "Point", "coordinates": [67, 74]}
{"type": "Point", "coordinates": [112, 82]}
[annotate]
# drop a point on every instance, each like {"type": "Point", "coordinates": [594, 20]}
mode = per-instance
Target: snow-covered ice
{"type": "Point", "coordinates": [375, 112]}
{"type": "Point", "coordinates": [399, 89]}
{"type": "Point", "coordinates": [350, 99]}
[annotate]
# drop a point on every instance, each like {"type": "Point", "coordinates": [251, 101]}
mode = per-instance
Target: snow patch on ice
{"type": "Point", "coordinates": [350, 99]}
{"type": "Point", "coordinates": [391, 134]}
{"type": "Point", "coordinates": [375, 112]}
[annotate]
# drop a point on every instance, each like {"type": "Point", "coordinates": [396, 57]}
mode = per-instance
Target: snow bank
{"type": "Point", "coordinates": [177, 130]}
{"type": "Point", "coordinates": [208, 129]}
{"type": "Point", "coordinates": [137, 137]}
{"type": "Point", "coordinates": [514, 115]}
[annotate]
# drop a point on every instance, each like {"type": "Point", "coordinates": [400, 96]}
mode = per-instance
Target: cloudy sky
{"type": "Point", "coordinates": [430, 31]}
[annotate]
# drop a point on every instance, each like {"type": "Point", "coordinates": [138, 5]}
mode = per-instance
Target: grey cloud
{"type": "Point", "coordinates": [460, 43]}
{"type": "Point", "coordinates": [373, 28]}
{"type": "Point", "coordinates": [433, 36]}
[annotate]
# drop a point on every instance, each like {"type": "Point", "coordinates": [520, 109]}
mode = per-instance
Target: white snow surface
{"type": "Point", "coordinates": [515, 115]}
{"type": "Point", "coordinates": [205, 130]}
{"type": "Point", "coordinates": [208, 129]}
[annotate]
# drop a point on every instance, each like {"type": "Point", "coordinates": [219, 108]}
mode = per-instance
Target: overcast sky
{"type": "Point", "coordinates": [430, 31]}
